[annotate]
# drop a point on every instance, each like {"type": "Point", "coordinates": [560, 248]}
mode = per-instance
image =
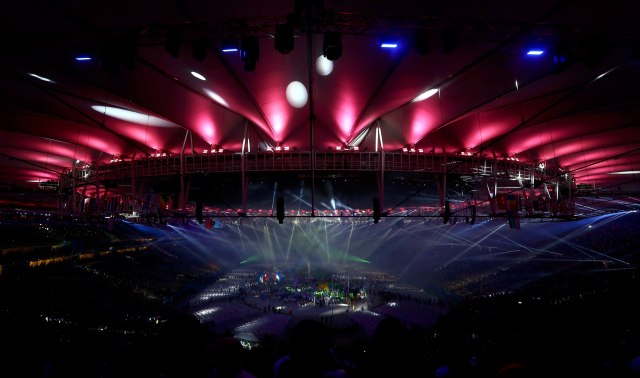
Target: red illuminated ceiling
{"type": "Point", "coordinates": [493, 99]}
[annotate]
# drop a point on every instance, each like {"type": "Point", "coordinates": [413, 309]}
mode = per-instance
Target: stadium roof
{"type": "Point", "coordinates": [158, 79]}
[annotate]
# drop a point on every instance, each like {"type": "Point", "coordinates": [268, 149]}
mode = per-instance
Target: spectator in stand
{"type": "Point", "coordinates": [394, 352]}
{"type": "Point", "coordinates": [182, 342]}
{"type": "Point", "coordinates": [229, 357]}
{"type": "Point", "coordinates": [310, 353]}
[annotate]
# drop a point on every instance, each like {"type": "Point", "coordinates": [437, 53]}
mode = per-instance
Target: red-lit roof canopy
{"type": "Point", "coordinates": [575, 105]}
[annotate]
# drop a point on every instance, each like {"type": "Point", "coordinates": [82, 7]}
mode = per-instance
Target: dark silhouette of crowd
{"type": "Point", "coordinates": [183, 347]}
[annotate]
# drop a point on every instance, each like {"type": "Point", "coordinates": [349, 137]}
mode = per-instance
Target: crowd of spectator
{"type": "Point", "coordinates": [587, 326]}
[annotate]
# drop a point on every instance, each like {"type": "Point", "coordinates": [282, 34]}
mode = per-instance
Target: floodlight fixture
{"type": "Point", "coordinates": [280, 209]}
{"type": "Point", "coordinates": [200, 48]}
{"type": "Point", "coordinates": [283, 41]}
{"type": "Point", "coordinates": [421, 42]}
{"type": "Point", "coordinates": [173, 42]}
{"type": "Point", "coordinates": [450, 39]}
{"type": "Point", "coordinates": [332, 45]}
{"type": "Point", "coordinates": [250, 52]}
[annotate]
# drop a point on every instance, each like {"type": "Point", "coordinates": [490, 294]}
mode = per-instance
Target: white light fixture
{"type": "Point", "coordinates": [198, 76]}
{"type": "Point", "coordinates": [42, 78]}
{"type": "Point", "coordinates": [535, 52]}
{"type": "Point", "coordinates": [425, 95]}
{"type": "Point", "coordinates": [625, 173]}
{"type": "Point", "coordinates": [216, 97]}
{"type": "Point", "coordinates": [378, 137]}
{"type": "Point", "coordinates": [324, 66]}
{"type": "Point", "coordinates": [131, 116]}
{"type": "Point", "coordinates": [297, 94]}
{"type": "Point", "coordinates": [605, 74]}
{"type": "Point", "coordinates": [389, 42]}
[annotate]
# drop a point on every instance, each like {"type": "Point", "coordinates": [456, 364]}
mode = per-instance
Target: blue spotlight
{"type": "Point", "coordinates": [535, 52]}
{"type": "Point", "coordinates": [83, 58]}
{"type": "Point", "coordinates": [229, 46]}
{"type": "Point", "coordinates": [389, 42]}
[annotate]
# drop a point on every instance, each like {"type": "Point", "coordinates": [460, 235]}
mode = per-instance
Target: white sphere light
{"type": "Point", "coordinates": [297, 94]}
{"type": "Point", "coordinates": [324, 66]}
